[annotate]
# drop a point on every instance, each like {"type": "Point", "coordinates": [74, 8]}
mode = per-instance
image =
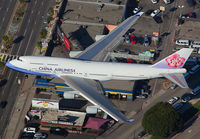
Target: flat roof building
{"type": "Point", "coordinates": [63, 119]}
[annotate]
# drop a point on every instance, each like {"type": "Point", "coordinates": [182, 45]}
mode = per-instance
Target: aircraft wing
{"type": "Point", "coordinates": [92, 91]}
{"type": "Point", "coordinates": [98, 50]}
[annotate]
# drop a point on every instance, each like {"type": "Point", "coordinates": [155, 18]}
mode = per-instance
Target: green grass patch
{"type": "Point", "coordinates": [156, 137]}
{"type": "Point", "coordinates": [16, 20]}
{"type": "Point", "coordinates": [197, 105]}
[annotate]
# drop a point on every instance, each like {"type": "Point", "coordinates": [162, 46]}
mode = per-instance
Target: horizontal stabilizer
{"type": "Point", "coordinates": [178, 79]}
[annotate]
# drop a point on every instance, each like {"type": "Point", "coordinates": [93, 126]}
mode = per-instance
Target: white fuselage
{"type": "Point", "coordinates": [52, 66]}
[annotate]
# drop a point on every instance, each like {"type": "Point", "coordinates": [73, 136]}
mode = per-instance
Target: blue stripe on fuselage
{"type": "Point", "coordinates": [28, 71]}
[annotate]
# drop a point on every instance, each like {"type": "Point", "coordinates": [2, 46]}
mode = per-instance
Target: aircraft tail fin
{"type": "Point", "coordinates": [178, 79]}
{"type": "Point", "coordinates": [175, 60]}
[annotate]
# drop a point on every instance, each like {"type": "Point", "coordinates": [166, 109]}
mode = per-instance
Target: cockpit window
{"type": "Point", "coordinates": [19, 59]}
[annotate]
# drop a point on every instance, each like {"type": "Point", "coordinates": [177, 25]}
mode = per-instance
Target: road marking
{"type": "Point", "coordinates": [32, 12]}
{"type": "Point", "coordinates": [3, 19]}
{"type": "Point", "coordinates": [7, 9]}
{"type": "Point", "coordinates": [5, 86]}
{"type": "Point", "coordinates": [28, 42]}
{"type": "Point", "coordinates": [39, 12]}
{"type": "Point", "coordinates": [36, 2]}
{"type": "Point", "coordinates": [29, 20]}
{"type": "Point", "coordinates": [21, 42]}
{"type": "Point", "coordinates": [42, 3]}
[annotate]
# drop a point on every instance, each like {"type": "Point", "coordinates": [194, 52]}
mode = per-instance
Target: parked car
{"type": "Point", "coordinates": [158, 19]}
{"type": "Point", "coordinates": [186, 97]}
{"type": "Point", "coordinates": [146, 40]}
{"type": "Point", "coordinates": [180, 21]}
{"type": "Point", "coordinates": [141, 134]}
{"type": "Point", "coordinates": [127, 39]}
{"type": "Point", "coordinates": [58, 131]}
{"type": "Point", "coordinates": [45, 20]}
{"type": "Point", "coordinates": [3, 104]}
{"type": "Point", "coordinates": [147, 92]}
{"type": "Point", "coordinates": [173, 9]}
{"type": "Point", "coordinates": [136, 10]}
{"type": "Point", "coordinates": [173, 86]}
{"type": "Point", "coordinates": [187, 75]}
{"type": "Point", "coordinates": [196, 90]}
{"type": "Point", "coordinates": [124, 51]}
{"type": "Point", "coordinates": [40, 135]}
{"type": "Point", "coordinates": [189, 15]}
{"type": "Point", "coordinates": [165, 34]}
{"type": "Point", "coordinates": [30, 129]}
{"type": "Point", "coordinates": [195, 69]}
{"type": "Point", "coordinates": [183, 42]}
{"type": "Point", "coordinates": [177, 106]}
{"type": "Point", "coordinates": [148, 12]}
{"type": "Point", "coordinates": [155, 12]}
{"type": "Point", "coordinates": [173, 100]}
{"type": "Point", "coordinates": [140, 40]}
{"type": "Point", "coordinates": [142, 96]}
{"type": "Point", "coordinates": [133, 39]}
{"type": "Point", "coordinates": [154, 1]}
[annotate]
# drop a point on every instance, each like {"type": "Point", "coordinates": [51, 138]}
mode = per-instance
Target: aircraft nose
{"type": "Point", "coordinates": [10, 64]}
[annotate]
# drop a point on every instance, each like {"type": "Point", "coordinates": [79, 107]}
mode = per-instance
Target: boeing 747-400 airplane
{"type": "Point", "coordinates": [84, 72]}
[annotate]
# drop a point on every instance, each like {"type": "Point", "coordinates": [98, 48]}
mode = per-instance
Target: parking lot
{"type": "Point", "coordinates": [146, 25]}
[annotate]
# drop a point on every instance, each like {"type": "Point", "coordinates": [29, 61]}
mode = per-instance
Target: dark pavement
{"type": "Point", "coordinates": [30, 29]}
{"type": "Point", "coordinates": [6, 9]}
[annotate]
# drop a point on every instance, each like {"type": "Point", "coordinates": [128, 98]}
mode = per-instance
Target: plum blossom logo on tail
{"type": "Point", "coordinates": [175, 60]}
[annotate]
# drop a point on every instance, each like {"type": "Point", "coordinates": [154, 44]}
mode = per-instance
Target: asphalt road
{"type": "Point", "coordinates": [6, 9]}
{"type": "Point", "coordinates": [30, 29]}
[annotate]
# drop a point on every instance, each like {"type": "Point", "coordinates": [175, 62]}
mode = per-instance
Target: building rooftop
{"type": "Point", "coordinates": [64, 117]}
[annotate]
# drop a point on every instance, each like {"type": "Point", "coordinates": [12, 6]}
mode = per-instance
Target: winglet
{"type": "Point", "coordinates": [139, 14]}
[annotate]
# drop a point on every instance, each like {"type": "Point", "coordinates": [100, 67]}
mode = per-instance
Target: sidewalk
{"type": "Point", "coordinates": [20, 109]}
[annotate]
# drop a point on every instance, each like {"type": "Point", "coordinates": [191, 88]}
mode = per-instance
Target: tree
{"type": "Point", "coordinates": [161, 120]}
{"type": "Point", "coordinates": [5, 39]}
{"type": "Point", "coordinates": [43, 33]}
{"type": "Point", "coordinates": [20, 11]}
{"type": "Point", "coordinates": [49, 18]}
{"type": "Point", "coordinates": [39, 45]}
{"type": "Point", "coordinates": [51, 11]}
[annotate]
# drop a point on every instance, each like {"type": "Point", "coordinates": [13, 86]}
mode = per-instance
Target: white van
{"type": "Point", "coordinates": [30, 129]}
{"type": "Point", "coordinates": [194, 69]}
{"type": "Point", "coordinates": [167, 1]}
{"type": "Point", "coordinates": [182, 42]}
{"type": "Point", "coordinates": [196, 90]}
{"type": "Point", "coordinates": [195, 44]}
